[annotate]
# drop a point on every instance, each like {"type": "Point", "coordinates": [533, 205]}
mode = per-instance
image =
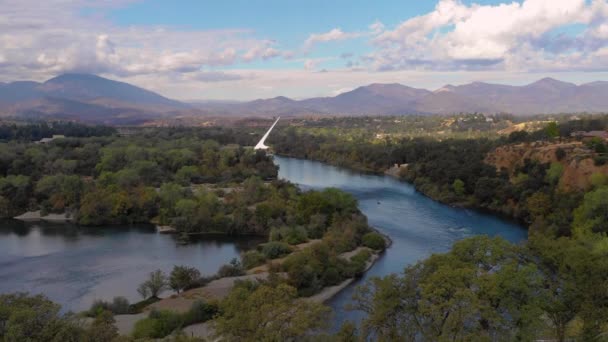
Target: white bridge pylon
{"type": "Point", "coordinates": [260, 145]}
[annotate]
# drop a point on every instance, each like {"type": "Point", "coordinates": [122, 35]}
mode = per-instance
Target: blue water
{"type": "Point", "coordinates": [417, 225]}
{"type": "Point", "coordinates": [76, 265]}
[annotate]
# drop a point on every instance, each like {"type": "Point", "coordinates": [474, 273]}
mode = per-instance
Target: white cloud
{"type": "Point", "coordinates": [335, 34]}
{"type": "Point", "coordinates": [49, 37]}
{"type": "Point", "coordinates": [514, 36]}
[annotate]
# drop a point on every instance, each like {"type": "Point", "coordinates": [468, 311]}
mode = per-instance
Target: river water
{"type": "Point", "coordinates": [417, 225]}
{"type": "Point", "coordinates": [74, 265]}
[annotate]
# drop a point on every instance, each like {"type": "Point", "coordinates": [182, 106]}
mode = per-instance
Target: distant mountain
{"type": "Point", "coordinates": [92, 98]}
{"type": "Point", "coordinates": [83, 97]}
{"type": "Point", "coordinates": [372, 99]}
{"type": "Point", "coordinates": [544, 96]}
{"type": "Point", "coordinates": [84, 87]}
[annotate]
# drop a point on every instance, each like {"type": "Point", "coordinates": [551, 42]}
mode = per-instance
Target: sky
{"type": "Point", "coordinates": [249, 49]}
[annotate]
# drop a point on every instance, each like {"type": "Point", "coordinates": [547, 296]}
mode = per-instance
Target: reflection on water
{"type": "Point", "coordinates": [417, 225]}
{"type": "Point", "coordinates": [75, 265]}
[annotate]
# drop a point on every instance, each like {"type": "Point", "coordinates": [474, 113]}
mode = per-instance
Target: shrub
{"type": "Point", "coordinates": [252, 259]}
{"type": "Point", "coordinates": [182, 277]}
{"type": "Point", "coordinates": [118, 306]}
{"type": "Point", "coordinates": [139, 306]}
{"type": "Point", "coordinates": [160, 324]}
{"type": "Point", "coordinates": [275, 249]}
{"type": "Point", "coordinates": [374, 240]}
{"type": "Point", "coordinates": [202, 281]}
{"type": "Point", "coordinates": [358, 263]}
{"type": "Point", "coordinates": [234, 269]}
{"type": "Point", "coordinates": [294, 235]}
{"type": "Point", "coordinates": [145, 328]}
{"type": "Point", "coordinates": [600, 160]}
{"type": "Point", "coordinates": [199, 312]}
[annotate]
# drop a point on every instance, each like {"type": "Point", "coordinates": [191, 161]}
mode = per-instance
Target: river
{"type": "Point", "coordinates": [417, 225]}
{"type": "Point", "coordinates": [74, 265]}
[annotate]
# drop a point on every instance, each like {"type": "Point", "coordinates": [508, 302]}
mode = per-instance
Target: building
{"type": "Point", "coordinates": [48, 140]}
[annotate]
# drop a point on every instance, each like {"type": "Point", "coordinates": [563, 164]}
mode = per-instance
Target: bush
{"type": "Point", "coordinates": [252, 259]}
{"type": "Point", "coordinates": [358, 263]}
{"type": "Point", "coordinates": [145, 328]}
{"type": "Point", "coordinates": [182, 277]}
{"type": "Point", "coordinates": [374, 240]}
{"type": "Point", "coordinates": [294, 235]}
{"type": "Point", "coordinates": [202, 281]}
{"type": "Point", "coordinates": [234, 269]}
{"type": "Point", "coordinates": [600, 160]}
{"type": "Point", "coordinates": [119, 306]}
{"type": "Point", "coordinates": [139, 306]}
{"type": "Point", "coordinates": [199, 312]}
{"type": "Point", "coordinates": [275, 249]}
{"type": "Point", "coordinates": [160, 324]}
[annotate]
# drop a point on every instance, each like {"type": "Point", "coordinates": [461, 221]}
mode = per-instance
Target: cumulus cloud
{"type": "Point", "coordinates": [335, 34]}
{"type": "Point", "coordinates": [54, 36]}
{"type": "Point", "coordinates": [510, 36]}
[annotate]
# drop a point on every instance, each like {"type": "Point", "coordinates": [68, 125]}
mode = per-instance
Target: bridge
{"type": "Point", "coordinates": [260, 145]}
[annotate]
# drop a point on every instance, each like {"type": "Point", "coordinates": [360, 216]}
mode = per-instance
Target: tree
{"type": "Point", "coordinates": [253, 312]}
{"type": "Point", "coordinates": [154, 286]}
{"type": "Point", "coordinates": [484, 287]}
{"type": "Point", "coordinates": [182, 277]}
{"type": "Point", "coordinates": [458, 187]}
{"type": "Point", "coordinates": [552, 129]}
{"type": "Point", "coordinates": [592, 215]}
{"type": "Point", "coordinates": [35, 318]}
{"type": "Point", "coordinates": [554, 173]}
{"type": "Point", "coordinates": [374, 240]}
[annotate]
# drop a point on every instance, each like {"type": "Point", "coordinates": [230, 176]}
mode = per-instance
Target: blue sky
{"type": "Point", "coordinates": [253, 49]}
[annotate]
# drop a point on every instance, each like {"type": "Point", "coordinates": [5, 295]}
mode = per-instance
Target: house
{"type": "Point", "coordinates": [48, 140]}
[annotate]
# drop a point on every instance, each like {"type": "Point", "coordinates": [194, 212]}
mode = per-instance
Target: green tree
{"type": "Point", "coordinates": [552, 129]}
{"type": "Point", "coordinates": [484, 287]}
{"type": "Point", "coordinates": [35, 318]}
{"type": "Point", "coordinates": [182, 277]}
{"type": "Point", "coordinates": [154, 285]}
{"type": "Point", "coordinates": [554, 173]}
{"type": "Point", "coordinates": [264, 313]}
{"type": "Point", "coordinates": [592, 215]}
{"type": "Point", "coordinates": [458, 187]}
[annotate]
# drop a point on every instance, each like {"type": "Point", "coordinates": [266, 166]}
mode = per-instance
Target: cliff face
{"type": "Point", "coordinates": [577, 161]}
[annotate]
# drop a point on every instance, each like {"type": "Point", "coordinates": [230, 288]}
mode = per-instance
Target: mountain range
{"type": "Point", "coordinates": [95, 99]}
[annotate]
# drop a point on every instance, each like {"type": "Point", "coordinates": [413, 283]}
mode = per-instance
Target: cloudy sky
{"type": "Point", "coordinates": [247, 49]}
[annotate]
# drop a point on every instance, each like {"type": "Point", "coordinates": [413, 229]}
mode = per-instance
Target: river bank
{"type": "Point", "coordinates": [218, 289]}
{"type": "Point", "coordinates": [431, 191]}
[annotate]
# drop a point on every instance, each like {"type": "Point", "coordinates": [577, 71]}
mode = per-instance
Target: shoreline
{"type": "Point", "coordinates": [220, 287]}
{"type": "Point", "coordinates": [390, 172]}
{"type": "Point", "coordinates": [330, 292]}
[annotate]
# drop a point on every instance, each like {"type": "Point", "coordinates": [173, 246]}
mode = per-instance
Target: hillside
{"type": "Point", "coordinates": [577, 161]}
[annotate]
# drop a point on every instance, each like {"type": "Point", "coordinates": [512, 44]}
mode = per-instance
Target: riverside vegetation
{"type": "Point", "coordinates": [484, 289]}
{"type": "Point", "coordinates": [187, 179]}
